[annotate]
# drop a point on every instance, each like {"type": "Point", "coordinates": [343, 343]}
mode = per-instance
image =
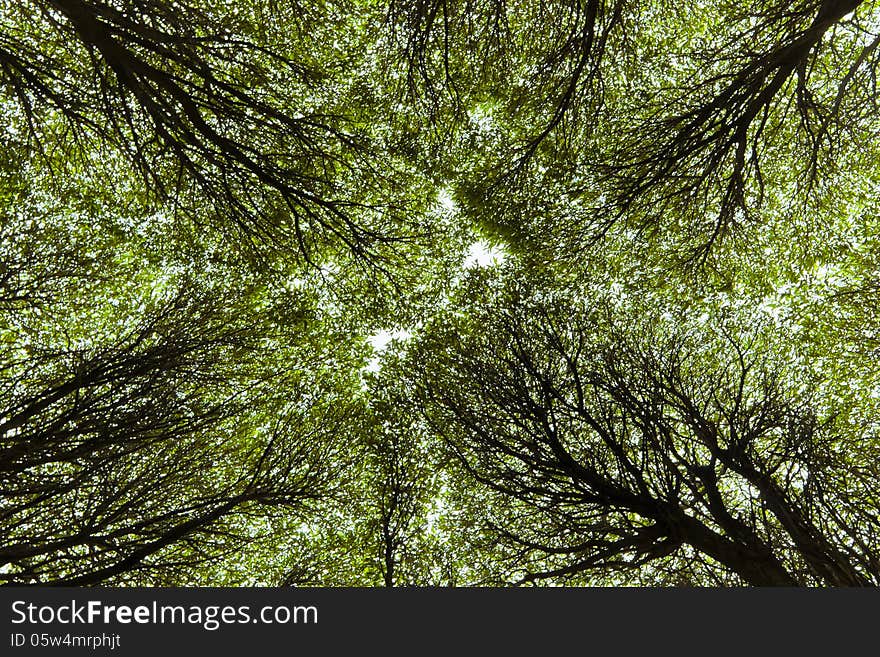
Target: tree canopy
{"type": "Point", "coordinates": [440, 292]}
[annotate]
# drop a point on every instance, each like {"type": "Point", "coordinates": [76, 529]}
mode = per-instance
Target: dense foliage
{"type": "Point", "coordinates": [440, 292]}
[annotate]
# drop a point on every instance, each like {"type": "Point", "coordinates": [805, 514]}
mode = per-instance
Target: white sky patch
{"type": "Point", "coordinates": [483, 254]}
{"type": "Point", "coordinates": [379, 341]}
{"type": "Point", "coordinates": [445, 202]}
